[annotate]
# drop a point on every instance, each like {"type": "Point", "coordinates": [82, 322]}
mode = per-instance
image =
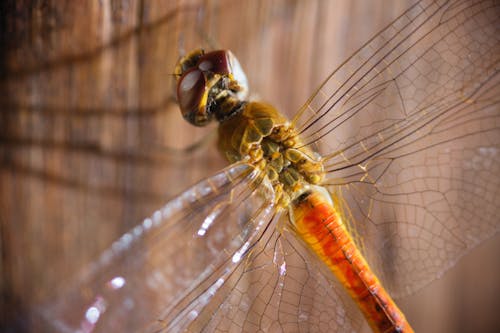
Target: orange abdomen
{"type": "Point", "coordinates": [319, 224]}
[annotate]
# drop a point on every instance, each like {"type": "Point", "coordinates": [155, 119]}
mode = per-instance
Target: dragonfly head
{"type": "Point", "coordinates": [210, 85]}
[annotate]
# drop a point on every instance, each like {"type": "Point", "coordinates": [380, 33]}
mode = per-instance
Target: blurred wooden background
{"type": "Point", "coordinates": [87, 114]}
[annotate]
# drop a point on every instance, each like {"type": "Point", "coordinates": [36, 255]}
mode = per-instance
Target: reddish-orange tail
{"type": "Point", "coordinates": [319, 224]}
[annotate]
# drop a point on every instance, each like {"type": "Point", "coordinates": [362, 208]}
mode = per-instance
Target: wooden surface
{"type": "Point", "coordinates": [88, 125]}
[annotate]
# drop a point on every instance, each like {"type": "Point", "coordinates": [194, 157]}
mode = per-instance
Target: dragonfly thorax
{"type": "Point", "coordinates": [261, 136]}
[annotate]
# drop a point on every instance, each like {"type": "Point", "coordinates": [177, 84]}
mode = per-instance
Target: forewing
{"type": "Point", "coordinates": [166, 269]}
{"type": "Point", "coordinates": [410, 140]}
{"type": "Point", "coordinates": [282, 287]}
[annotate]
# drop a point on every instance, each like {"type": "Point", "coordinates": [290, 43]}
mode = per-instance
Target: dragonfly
{"type": "Point", "coordinates": [186, 265]}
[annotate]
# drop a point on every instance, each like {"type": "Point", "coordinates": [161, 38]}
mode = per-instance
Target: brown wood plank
{"type": "Point", "coordinates": [87, 112]}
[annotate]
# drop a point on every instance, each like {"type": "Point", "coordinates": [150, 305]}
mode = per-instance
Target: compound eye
{"type": "Point", "coordinates": [192, 97]}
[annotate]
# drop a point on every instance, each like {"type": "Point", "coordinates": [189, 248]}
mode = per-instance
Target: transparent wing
{"type": "Point", "coordinates": [420, 170]}
{"type": "Point", "coordinates": [214, 259]}
{"type": "Point", "coordinates": [171, 264]}
{"type": "Point", "coordinates": [281, 287]}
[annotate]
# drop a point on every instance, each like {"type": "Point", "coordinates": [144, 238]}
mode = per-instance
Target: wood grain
{"type": "Point", "coordinates": [87, 114]}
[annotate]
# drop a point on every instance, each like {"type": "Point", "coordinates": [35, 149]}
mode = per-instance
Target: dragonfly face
{"type": "Point", "coordinates": [210, 85]}
{"type": "Point", "coordinates": [421, 203]}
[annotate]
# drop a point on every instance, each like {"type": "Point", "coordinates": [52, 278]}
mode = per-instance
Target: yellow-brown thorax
{"type": "Point", "coordinates": [263, 137]}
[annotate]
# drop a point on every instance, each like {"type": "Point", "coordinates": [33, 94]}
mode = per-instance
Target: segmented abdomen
{"type": "Point", "coordinates": [319, 224]}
